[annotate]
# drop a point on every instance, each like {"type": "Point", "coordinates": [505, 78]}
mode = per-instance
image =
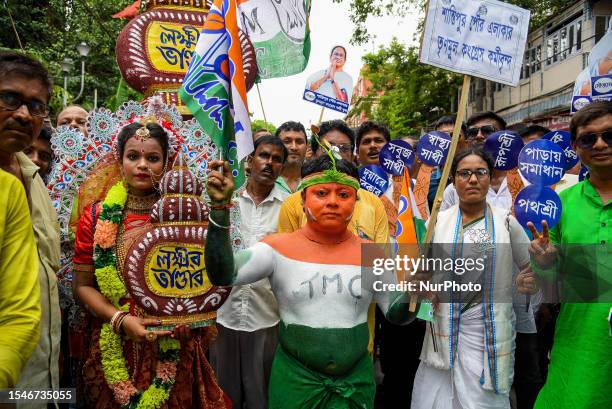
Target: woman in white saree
{"type": "Point", "coordinates": [467, 362]}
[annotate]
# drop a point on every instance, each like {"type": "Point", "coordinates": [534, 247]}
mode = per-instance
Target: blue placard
{"type": "Point", "coordinates": [433, 148]}
{"type": "Point", "coordinates": [395, 156]}
{"type": "Point", "coordinates": [325, 101]}
{"type": "Point", "coordinates": [536, 203]}
{"type": "Point", "coordinates": [374, 179]}
{"type": "Point", "coordinates": [563, 139]}
{"type": "Point", "coordinates": [579, 102]}
{"type": "Point", "coordinates": [542, 162]}
{"type": "Point", "coordinates": [601, 85]}
{"type": "Point", "coordinates": [584, 171]}
{"type": "Point", "coordinates": [504, 147]}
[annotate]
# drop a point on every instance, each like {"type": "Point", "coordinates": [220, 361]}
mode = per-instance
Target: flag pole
{"type": "Point", "coordinates": [261, 103]}
{"type": "Point", "coordinates": [431, 223]}
{"type": "Point", "coordinates": [321, 116]}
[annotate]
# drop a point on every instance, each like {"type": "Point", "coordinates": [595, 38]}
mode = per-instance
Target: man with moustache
{"type": "Point", "coordinates": [25, 90]}
{"type": "Point", "coordinates": [248, 320]}
{"type": "Point", "coordinates": [293, 136]}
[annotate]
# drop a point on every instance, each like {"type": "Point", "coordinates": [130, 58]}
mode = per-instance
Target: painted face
{"type": "Point", "coordinates": [19, 127]}
{"type": "Point", "coordinates": [477, 132]}
{"type": "Point", "coordinates": [41, 154]}
{"type": "Point", "coordinates": [329, 207]}
{"type": "Point", "coordinates": [473, 188]}
{"type": "Point", "coordinates": [142, 164]}
{"type": "Point", "coordinates": [266, 164]}
{"type": "Point", "coordinates": [295, 142]}
{"type": "Point", "coordinates": [74, 117]}
{"type": "Point", "coordinates": [597, 155]}
{"type": "Point", "coordinates": [338, 57]}
{"type": "Point", "coordinates": [369, 148]}
{"type": "Point", "coordinates": [340, 141]}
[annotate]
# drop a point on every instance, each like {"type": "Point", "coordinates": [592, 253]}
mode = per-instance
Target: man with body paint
{"type": "Point", "coordinates": [322, 359]}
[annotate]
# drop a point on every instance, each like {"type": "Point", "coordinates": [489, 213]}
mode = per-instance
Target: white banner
{"type": "Point", "coordinates": [484, 39]}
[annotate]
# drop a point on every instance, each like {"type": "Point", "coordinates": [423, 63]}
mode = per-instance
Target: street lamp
{"type": "Point", "coordinates": [67, 65]}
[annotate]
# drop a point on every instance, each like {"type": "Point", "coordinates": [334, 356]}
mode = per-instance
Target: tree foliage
{"type": "Point", "coordinates": [50, 31]}
{"type": "Point", "coordinates": [261, 124]}
{"type": "Point", "coordinates": [360, 10]}
{"type": "Point", "coordinates": [405, 94]}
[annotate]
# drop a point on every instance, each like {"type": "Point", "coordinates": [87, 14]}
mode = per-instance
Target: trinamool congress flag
{"type": "Point", "coordinates": [280, 33]}
{"type": "Point", "coordinates": [214, 88]}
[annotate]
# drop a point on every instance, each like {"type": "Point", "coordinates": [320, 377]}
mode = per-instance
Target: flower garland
{"type": "Point", "coordinates": [114, 365]}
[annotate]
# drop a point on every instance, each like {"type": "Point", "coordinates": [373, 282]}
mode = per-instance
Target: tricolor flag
{"type": "Point", "coordinates": [214, 88]}
{"type": "Point", "coordinates": [406, 230]}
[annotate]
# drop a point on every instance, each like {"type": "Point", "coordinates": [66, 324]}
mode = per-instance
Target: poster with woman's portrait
{"type": "Point", "coordinates": [331, 87]}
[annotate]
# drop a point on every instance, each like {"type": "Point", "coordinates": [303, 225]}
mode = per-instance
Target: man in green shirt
{"type": "Point", "coordinates": [581, 359]}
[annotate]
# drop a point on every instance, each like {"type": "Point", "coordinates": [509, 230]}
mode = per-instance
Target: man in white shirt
{"type": "Point", "coordinates": [248, 320]}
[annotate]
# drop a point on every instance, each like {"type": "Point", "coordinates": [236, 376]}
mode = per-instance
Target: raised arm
{"type": "Point", "coordinates": [223, 267]}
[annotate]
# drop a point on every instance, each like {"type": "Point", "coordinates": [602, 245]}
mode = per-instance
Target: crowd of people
{"type": "Point", "coordinates": [301, 328]}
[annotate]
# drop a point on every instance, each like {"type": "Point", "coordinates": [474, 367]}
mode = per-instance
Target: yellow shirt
{"type": "Point", "coordinates": [19, 288]}
{"type": "Point", "coordinates": [369, 220]}
{"type": "Point", "coordinates": [42, 369]}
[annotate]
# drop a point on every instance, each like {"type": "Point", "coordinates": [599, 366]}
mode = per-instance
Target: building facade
{"type": "Point", "coordinates": [555, 54]}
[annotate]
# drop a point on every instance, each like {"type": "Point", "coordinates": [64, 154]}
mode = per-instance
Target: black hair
{"type": "Point", "coordinates": [370, 126]}
{"type": "Point", "coordinates": [155, 131]}
{"type": "Point", "coordinates": [324, 162]}
{"type": "Point", "coordinates": [486, 115]}
{"type": "Point", "coordinates": [12, 62]}
{"type": "Point", "coordinates": [271, 140]}
{"type": "Point", "coordinates": [478, 151]}
{"type": "Point", "coordinates": [448, 120]}
{"type": "Point", "coordinates": [333, 125]}
{"type": "Point", "coordinates": [338, 46]}
{"type": "Point", "coordinates": [588, 114]}
{"type": "Point", "coordinates": [45, 134]}
{"type": "Point", "coordinates": [531, 129]}
{"type": "Point", "coordinates": [291, 126]}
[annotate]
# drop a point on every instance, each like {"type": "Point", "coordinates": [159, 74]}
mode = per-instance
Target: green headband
{"type": "Point", "coordinates": [329, 176]}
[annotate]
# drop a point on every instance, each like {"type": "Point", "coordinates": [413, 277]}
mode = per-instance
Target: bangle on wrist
{"type": "Point", "coordinates": [116, 320]}
{"type": "Point", "coordinates": [214, 223]}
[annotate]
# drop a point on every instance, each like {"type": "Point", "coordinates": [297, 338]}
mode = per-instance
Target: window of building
{"type": "Point", "coordinates": [532, 61]}
{"type": "Point", "coordinates": [564, 41]}
{"type": "Point", "coordinates": [601, 25]}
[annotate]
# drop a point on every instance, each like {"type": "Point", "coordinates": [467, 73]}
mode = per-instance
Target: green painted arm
{"type": "Point", "coordinates": [398, 312]}
{"type": "Point", "coordinates": [218, 253]}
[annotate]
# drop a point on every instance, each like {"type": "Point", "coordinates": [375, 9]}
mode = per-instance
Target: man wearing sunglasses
{"type": "Point", "coordinates": [580, 358]}
{"type": "Point", "coordinates": [479, 127]}
{"type": "Point", "coordinates": [25, 90]}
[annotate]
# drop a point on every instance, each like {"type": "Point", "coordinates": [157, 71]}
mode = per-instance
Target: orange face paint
{"type": "Point", "coordinates": [329, 207]}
